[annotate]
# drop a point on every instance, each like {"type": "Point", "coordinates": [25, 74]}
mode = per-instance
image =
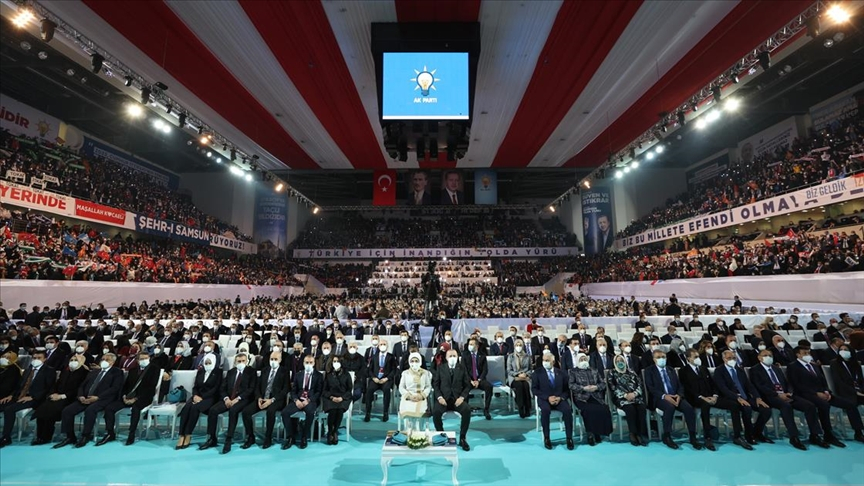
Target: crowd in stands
{"type": "Point", "coordinates": [825, 155]}
{"type": "Point", "coordinates": [45, 249]}
{"type": "Point", "coordinates": [340, 275]}
{"type": "Point", "coordinates": [497, 228]}
{"type": "Point", "coordinates": [532, 273]}
{"type": "Point", "coordinates": [105, 182]}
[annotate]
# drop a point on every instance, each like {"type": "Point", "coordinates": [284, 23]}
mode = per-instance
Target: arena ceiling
{"type": "Point", "coordinates": [559, 84]}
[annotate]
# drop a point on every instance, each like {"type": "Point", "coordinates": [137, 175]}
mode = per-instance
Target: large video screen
{"type": "Point", "coordinates": [425, 86]}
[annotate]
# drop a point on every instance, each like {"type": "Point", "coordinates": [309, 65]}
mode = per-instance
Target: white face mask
{"type": "Point", "coordinates": [382, 348]}
{"type": "Point", "coordinates": [781, 345]}
{"type": "Point", "coordinates": [845, 354]}
{"type": "Point", "coordinates": [74, 364]}
{"type": "Point", "coordinates": [104, 351]}
{"type": "Point", "coordinates": [540, 333]}
{"type": "Point", "coordinates": [697, 362]}
{"type": "Point", "coordinates": [352, 350]}
{"type": "Point", "coordinates": [209, 366]}
{"type": "Point", "coordinates": [80, 350]}
{"type": "Point", "coordinates": [240, 367]}
{"type": "Point", "coordinates": [374, 342]}
{"type": "Point", "coordinates": [403, 338]}
{"type": "Point", "coordinates": [49, 346]}
{"type": "Point", "coordinates": [499, 340]}
{"type": "Point", "coordinates": [448, 337]}
{"type": "Point", "coordinates": [207, 349]}
{"type": "Point", "coordinates": [583, 365]}
{"type": "Point", "coordinates": [731, 363]}
{"type": "Point", "coordinates": [297, 336]}
{"type": "Point", "coordinates": [272, 342]}
{"type": "Point", "coordinates": [470, 348]}
{"type": "Point", "coordinates": [547, 365]}
{"type": "Point", "coordinates": [513, 333]}
{"type": "Point", "coordinates": [415, 366]}
{"type": "Point", "coordinates": [277, 349]}
{"type": "Point", "coordinates": [761, 347]}
{"type": "Point", "coordinates": [709, 351]}
{"type": "Point", "coordinates": [337, 366]}
{"type": "Point", "coordinates": [601, 349]}
{"type": "Point", "coordinates": [205, 339]}
{"type": "Point", "coordinates": [274, 364]}
{"type": "Point", "coordinates": [682, 348]}
{"type": "Point", "coordinates": [187, 337]}
{"type": "Point", "coordinates": [807, 359]}
{"type": "Point", "coordinates": [518, 349]}
{"type": "Point", "coordinates": [325, 352]}
{"type": "Point", "coordinates": [157, 352]}
{"type": "Point", "coordinates": [768, 360]}
{"type": "Point", "coordinates": [36, 363]}
{"type": "Point", "coordinates": [186, 352]}
{"type": "Point", "coordinates": [340, 341]}
{"type": "Point", "coordinates": [546, 352]}
{"type": "Point", "coordinates": [104, 364]}
{"type": "Point", "coordinates": [627, 349]}
{"type": "Point", "coordinates": [661, 362]}
{"type": "Point", "coordinates": [143, 363]}
{"type": "Point", "coordinates": [309, 368]}
{"type": "Point", "coordinates": [452, 361]}
{"type": "Point", "coordinates": [654, 347]}
{"type": "Point", "coordinates": [733, 344]}
{"type": "Point", "coordinates": [4, 362]}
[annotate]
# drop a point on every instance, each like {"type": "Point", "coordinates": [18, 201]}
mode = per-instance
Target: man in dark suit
{"type": "Point", "coordinates": [702, 393]}
{"type": "Point", "coordinates": [270, 396]}
{"type": "Point", "coordinates": [581, 336]}
{"type": "Point", "coordinates": [601, 359]}
{"type": "Point", "coordinates": [238, 388]}
{"type": "Point", "coordinates": [732, 384]}
{"type": "Point", "coordinates": [828, 354]}
{"type": "Point", "coordinates": [772, 386]}
{"type": "Point", "coordinates": [664, 391]}
{"type": "Point", "coordinates": [783, 356]}
{"type": "Point", "coordinates": [475, 364]}
{"type": "Point", "coordinates": [401, 347]}
{"type": "Point", "coordinates": [21, 313]}
{"type": "Point", "coordinates": [671, 334]}
{"type": "Point", "coordinates": [539, 341]}
{"type": "Point", "coordinates": [631, 359]}
{"type": "Point", "coordinates": [54, 356]}
{"type": "Point", "coordinates": [499, 346]}
{"type": "Point", "coordinates": [381, 370]}
{"type": "Point", "coordinates": [34, 386]}
{"type": "Point", "coordinates": [567, 360]}
{"type": "Point", "coordinates": [549, 386]}
{"type": "Point", "coordinates": [451, 195]}
{"type": "Point", "coordinates": [34, 318]}
{"type": "Point", "coordinates": [340, 347]}
{"type": "Point", "coordinates": [419, 194]}
{"type": "Point", "coordinates": [138, 390]}
{"type": "Point", "coordinates": [599, 337]}
{"type": "Point", "coordinates": [678, 323]}
{"type": "Point", "coordinates": [305, 396]}
{"type": "Point", "coordinates": [719, 327]}
{"type": "Point", "coordinates": [451, 384]}
{"type": "Point", "coordinates": [100, 389]}
{"type": "Point", "coordinates": [744, 358]}
{"type": "Point", "coordinates": [814, 322]}
{"type": "Point", "coordinates": [809, 383]}
{"type": "Point", "coordinates": [511, 338]}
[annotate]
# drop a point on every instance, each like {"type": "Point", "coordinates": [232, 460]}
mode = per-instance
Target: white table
{"type": "Point", "coordinates": [390, 451]}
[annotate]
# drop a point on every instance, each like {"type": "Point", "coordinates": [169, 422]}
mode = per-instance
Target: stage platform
{"type": "Point", "coordinates": [504, 451]}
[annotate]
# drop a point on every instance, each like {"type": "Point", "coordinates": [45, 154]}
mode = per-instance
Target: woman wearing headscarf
{"type": "Point", "coordinates": [10, 374]}
{"type": "Point", "coordinates": [415, 386]}
{"type": "Point", "coordinates": [207, 382]}
{"type": "Point", "coordinates": [589, 393]}
{"type": "Point", "coordinates": [519, 370]}
{"type": "Point", "coordinates": [65, 392]}
{"type": "Point", "coordinates": [336, 397]}
{"type": "Point", "coordinates": [627, 395]}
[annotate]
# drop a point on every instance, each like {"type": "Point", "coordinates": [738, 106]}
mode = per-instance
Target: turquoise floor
{"type": "Point", "coordinates": [504, 451]}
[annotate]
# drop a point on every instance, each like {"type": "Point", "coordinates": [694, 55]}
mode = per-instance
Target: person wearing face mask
{"type": "Point", "coordinates": [701, 391]}
{"type": "Point", "coordinates": [550, 387]}
{"type": "Point", "coordinates": [10, 375]}
{"type": "Point", "coordinates": [207, 348]}
{"type": "Point", "coordinates": [588, 389]}
{"type": "Point", "coordinates": [248, 338]}
{"type": "Point", "coordinates": [677, 355]}
{"type": "Point", "coordinates": [64, 392]}
{"type": "Point", "coordinates": [322, 362]}
{"type": "Point", "coordinates": [519, 370]}
{"type": "Point", "coordinates": [600, 358]}
{"type": "Point", "coordinates": [336, 397]}
{"type": "Point", "coordinates": [743, 357]}
{"type": "Point", "coordinates": [237, 389]}
{"type": "Point", "coordinates": [848, 380]}
{"type": "Point", "coordinates": [510, 339]}
{"type": "Point", "coordinates": [771, 383]}
{"type": "Point", "coordinates": [783, 355]}
{"type": "Point", "coordinates": [451, 385]}
{"type": "Point", "coordinates": [138, 390]}
{"type": "Point", "coordinates": [381, 371]}
{"type": "Point", "coordinates": [306, 390]}
{"type": "Point", "coordinates": [6, 344]}
{"type": "Point", "coordinates": [204, 394]}
{"type": "Point", "coordinates": [626, 388]}
{"type": "Point", "coordinates": [400, 349]}
{"type": "Point", "coordinates": [415, 386]}
{"type": "Point", "coordinates": [672, 333]}
{"type": "Point", "coordinates": [449, 343]}
{"type": "Point", "coordinates": [707, 357]}
{"type": "Point", "coordinates": [271, 393]}
{"type": "Point", "coordinates": [353, 361]}
{"type": "Point", "coordinates": [599, 337]}
{"type": "Point", "coordinates": [100, 389]}
{"type": "Point", "coordinates": [340, 347]}
{"type": "Point", "coordinates": [54, 356]}
{"type": "Point", "coordinates": [582, 337]}
{"type": "Point", "coordinates": [664, 391]}
{"type": "Point", "coordinates": [477, 367]}
{"type": "Point", "coordinates": [809, 383]}
{"type": "Point", "coordinates": [633, 363]}
{"type": "Point", "coordinates": [33, 387]}
{"type": "Point", "coordinates": [21, 313]}
{"type": "Point", "coordinates": [499, 346]}
{"type": "Point", "coordinates": [734, 385]}
{"type": "Point", "coordinates": [647, 358]}
{"type": "Point", "coordinates": [540, 341]}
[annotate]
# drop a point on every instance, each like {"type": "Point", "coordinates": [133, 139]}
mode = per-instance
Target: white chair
{"type": "Point", "coordinates": [497, 374]}
{"type": "Point", "coordinates": [560, 415]}
{"type": "Point", "coordinates": [128, 411]}
{"type": "Point", "coordinates": [21, 416]}
{"type": "Point", "coordinates": [184, 378]}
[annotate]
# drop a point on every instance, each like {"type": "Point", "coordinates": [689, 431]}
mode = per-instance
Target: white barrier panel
{"type": "Point", "coordinates": [805, 291]}
{"type": "Point", "coordinates": [112, 294]}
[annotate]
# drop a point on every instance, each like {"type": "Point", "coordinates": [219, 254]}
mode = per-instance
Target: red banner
{"type": "Point", "coordinates": [384, 188]}
{"type": "Point", "coordinates": [98, 212]}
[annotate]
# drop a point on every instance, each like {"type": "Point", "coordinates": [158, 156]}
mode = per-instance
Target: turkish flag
{"type": "Point", "coordinates": [384, 188]}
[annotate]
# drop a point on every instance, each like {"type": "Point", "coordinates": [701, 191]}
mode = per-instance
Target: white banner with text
{"type": "Point", "coordinates": [372, 253]}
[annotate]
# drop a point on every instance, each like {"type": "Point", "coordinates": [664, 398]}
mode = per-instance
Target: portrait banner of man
{"type": "Point", "coordinates": [419, 190]}
{"type": "Point", "coordinates": [452, 189]}
{"type": "Point", "coordinates": [597, 221]}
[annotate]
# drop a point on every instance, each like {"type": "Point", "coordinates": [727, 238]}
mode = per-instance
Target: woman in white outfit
{"type": "Point", "coordinates": [414, 387]}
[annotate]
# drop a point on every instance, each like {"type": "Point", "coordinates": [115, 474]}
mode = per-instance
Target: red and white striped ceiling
{"type": "Point", "coordinates": [559, 83]}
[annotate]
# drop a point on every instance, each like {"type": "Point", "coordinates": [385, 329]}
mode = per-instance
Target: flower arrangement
{"type": "Point", "coordinates": [418, 440]}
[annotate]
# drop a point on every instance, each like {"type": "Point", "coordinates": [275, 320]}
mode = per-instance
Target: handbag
{"type": "Point", "coordinates": [177, 395]}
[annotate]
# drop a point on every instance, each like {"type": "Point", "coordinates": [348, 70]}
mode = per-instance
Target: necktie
{"type": "Point", "coordinates": [603, 357]}
{"type": "Point", "coordinates": [26, 388]}
{"type": "Point", "coordinates": [810, 369]}
{"type": "Point", "coordinates": [738, 357]}
{"type": "Point", "coordinates": [551, 378]}
{"type": "Point", "coordinates": [710, 361]}
{"type": "Point", "coordinates": [269, 390]}
{"type": "Point", "coordinates": [666, 383]}
{"type": "Point", "coordinates": [774, 380]}
{"type": "Point", "coordinates": [453, 198]}
{"type": "Point", "coordinates": [734, 375]}
{"type": "Point", "coordinates": [528, 349]}
{"type": "Point", "coordinates": [236, 385]}
{"type": "Point", "coordinates": [381, 366]}
{"type": "Point", "coordinates": [96, 383]}
{"type": "Point", "coordinates": [306, 382]}
{"type": "Point", "coordinates": [474, 366]}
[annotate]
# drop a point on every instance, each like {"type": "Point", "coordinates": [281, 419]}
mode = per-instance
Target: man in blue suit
{"type": "Point", "coordinates": [550, 388]}
{"type": "Point", "coordinates": [664, 391]}
{"type": "Point", "coordinates": [733, 384]}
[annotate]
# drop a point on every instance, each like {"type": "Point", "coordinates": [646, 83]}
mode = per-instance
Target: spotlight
{"type": "Point", "coordinates": [694, 105]}
{"type": "Point", "coordinates": [649, 155]}
{"type": "Point", "coordinates": [813, 27]}
{"type": "Point", "coordinates": [716, 92]}
{"type": "Point", "coordinates": [701, 124]}
{"type": "Point", "coordinates": [681, 119]}
{"type": "Point", "coordinates": [315, 210]}
{"type": "Point", "coordinates": [839, 36]}
{"type": "Point", "coordinates": [23, 17]}
{"type": "Point", "coordinates": [134, 110]}
{"type": "Point", "coordinates": [712, 116]}
{"type": "Point", "coordinates": [838, 14]}
{"type": "Point", "coordinates": [248, 177]}
{"type": "Point", "coordinates": [279, 187]}
{"type": "Point", "coordinates": [735, 79]}
{"type": "Point", "coordinates": [166, 128]}
{"type": "Point", "coordinates": [96, 61]}
{"type": "Point", "coordinates": [25, 45]}
{"type": "Point", "coordinates": [127, 81]}
{"type": "Point", "coordinates": [732, 104]}
{"type": "Point", "coordinates": [70, 72]}
{"type": "Point", "coordinates": [664, 128]}
{"type": "Point", "coordinates": [158, 124]}
{"type": "Point", "coordinates": [47, 29]}
{"type": "Point", "coordinates": [181, 120]}
{"type": "Point", "coordinates": [145, 95]}
{"type": "Point", "coordinates": [587, 184]}
{"type": "Point", "coordinates": [627, 169]}
{"type": "Point", "coordinates": [236, 170]}
{"type": "Point", "coordinates": [209, 154]}
{"type": "Point", "coordinates": [42, 55]}
{"type": "Point", "coordinates": [619, 174]}
{"type": "Point", "coordinates": [659, 149]}
{"type": "Point", "coordinates": [764, 60]}
{"type": "Point", "coordinates": [635, 163]}
{"type": "Point", "coordinates": [828, 43]}
{"type": "Point", "coordinates": [218, 160]}
{"type": "Point", "coordinates": [203, 140]}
